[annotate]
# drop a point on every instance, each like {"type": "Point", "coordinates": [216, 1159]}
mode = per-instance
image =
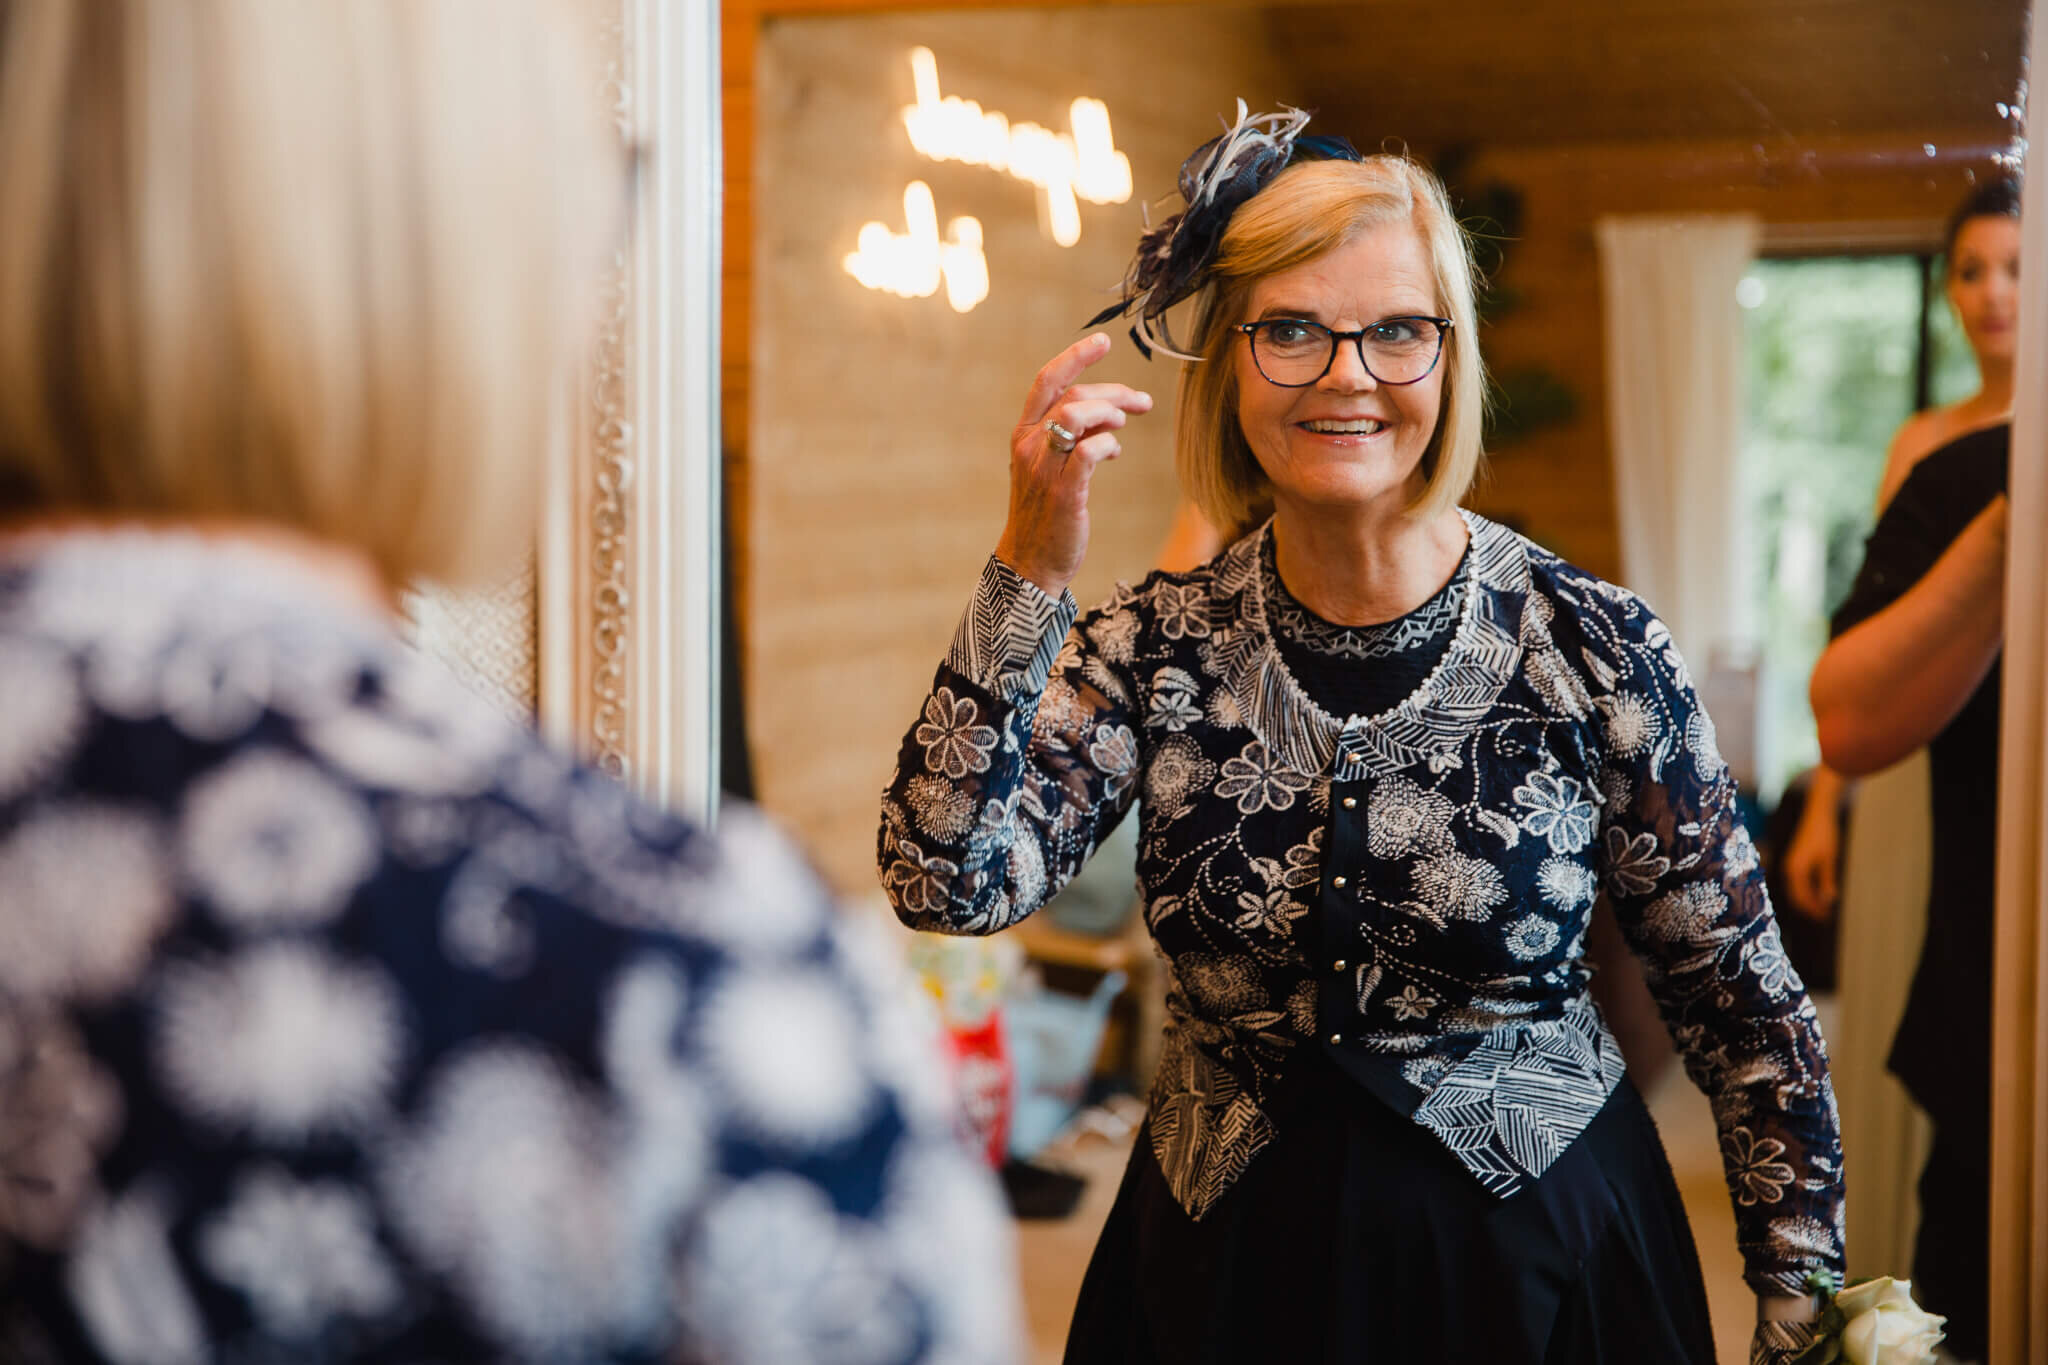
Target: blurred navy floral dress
{"type": "Point", "coordinates": [342, 1020]}
{"type": "Point", "coordinates": [1369, 856]}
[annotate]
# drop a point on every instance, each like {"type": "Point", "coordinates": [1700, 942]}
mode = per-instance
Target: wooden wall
{"type": "Point", "coordinates": [1578, 71]}
{"type": "Point", "coordinates": [740, 27]}
{"type": "Point", "coordinates": [876, 461]}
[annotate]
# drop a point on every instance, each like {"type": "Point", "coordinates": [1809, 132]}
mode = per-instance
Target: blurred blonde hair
{"type": "Point", "coordinates": [1310, 209]}
{"type": "Point", "coordinates": [319, 263]}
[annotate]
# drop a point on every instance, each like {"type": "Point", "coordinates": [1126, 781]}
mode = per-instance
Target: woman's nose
{"type": "Point", "coordinates": [1347, 372]}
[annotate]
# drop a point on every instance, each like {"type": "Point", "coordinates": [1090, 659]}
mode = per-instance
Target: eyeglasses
{"type": "Point", "coordinates": [1294, 353]}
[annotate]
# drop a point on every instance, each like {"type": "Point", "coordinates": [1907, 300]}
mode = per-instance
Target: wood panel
{"type": "Point", "coordinates": [1493, 71]}
{"type": "Point", "coordinates": [878, 449]}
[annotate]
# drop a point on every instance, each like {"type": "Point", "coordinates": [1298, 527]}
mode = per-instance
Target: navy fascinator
{"type": "Point", "coordinates": [1173, 257]}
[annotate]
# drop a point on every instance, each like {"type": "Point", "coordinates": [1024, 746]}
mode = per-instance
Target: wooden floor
{"type": "Point", "coordinates": [1054, 1255]}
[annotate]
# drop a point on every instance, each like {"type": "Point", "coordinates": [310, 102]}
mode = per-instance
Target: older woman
{"type": "Point", "coordinates": [1386, 754]}
{"type": "Point", "coordinates": [339, 1018]}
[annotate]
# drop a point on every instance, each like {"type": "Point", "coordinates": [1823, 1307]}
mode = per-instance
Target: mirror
{"type": "Point", "coordinates": [866, 432]}
{"type": "Point", "coordinates": [867, 429]}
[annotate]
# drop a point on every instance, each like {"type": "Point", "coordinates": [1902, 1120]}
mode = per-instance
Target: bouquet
{"type": "Point", "coordinates": [1870, 1322]}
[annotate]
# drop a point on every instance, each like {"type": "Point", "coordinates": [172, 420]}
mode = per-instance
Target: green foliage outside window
{"type": "Point", "coordinates": [1832, 348]}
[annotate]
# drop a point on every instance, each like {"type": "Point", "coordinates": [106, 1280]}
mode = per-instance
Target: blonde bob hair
{"type": "Point", "coordinates": [1310, 209]}
{"type": "Point", "coordinates": [315, 263]}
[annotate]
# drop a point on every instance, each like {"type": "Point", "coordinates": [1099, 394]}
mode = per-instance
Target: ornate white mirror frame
{"type": "Point", "coordinates": [628, 569]}
{"type": "Point", "coordinates": [609, 637]}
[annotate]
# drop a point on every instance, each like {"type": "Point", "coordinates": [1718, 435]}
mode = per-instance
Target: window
{"type": "Point", "coordinates": [1840, 350]}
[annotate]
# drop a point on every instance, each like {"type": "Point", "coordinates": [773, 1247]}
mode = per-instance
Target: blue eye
{"type": "Point", "coordinates": [1397, 331]}
{"type": "Point", "coordinates": [1289, 333]}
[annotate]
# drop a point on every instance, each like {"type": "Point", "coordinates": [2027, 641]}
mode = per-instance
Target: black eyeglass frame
{"type": "Point", "coordinates": [1337, 338]}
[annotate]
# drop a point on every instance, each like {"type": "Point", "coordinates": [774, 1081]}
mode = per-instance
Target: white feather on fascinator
{"type": "Point", "coordinates": [1172, 259]}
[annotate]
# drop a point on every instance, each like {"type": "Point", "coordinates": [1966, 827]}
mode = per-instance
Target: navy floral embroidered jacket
{"type": "Point", "coordinates": [1408, 891]}
{"type": "Point", "coordinates": [342, 1020]}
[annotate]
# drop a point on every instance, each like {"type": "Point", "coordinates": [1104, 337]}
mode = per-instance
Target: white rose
{"type": "Point", "coordinates": [1885, 1326]}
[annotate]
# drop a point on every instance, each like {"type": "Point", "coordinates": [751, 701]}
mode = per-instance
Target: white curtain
{"type": "Point", "coordinates": [1674, 407]}
{"type": "Point", "coordinates": [1888, 869]}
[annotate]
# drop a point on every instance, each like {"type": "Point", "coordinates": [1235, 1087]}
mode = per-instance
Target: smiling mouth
{"type": "Point", "coordinates": [1368, 426]}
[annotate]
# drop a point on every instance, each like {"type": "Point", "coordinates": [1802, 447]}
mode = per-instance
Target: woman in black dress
{"type": "Point", "coordinates": [1915, 662]}
{"type": "Point", "coordinates": [1386, 754]}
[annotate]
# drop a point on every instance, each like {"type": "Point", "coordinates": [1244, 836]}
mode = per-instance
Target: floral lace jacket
{"type": "Point", "coordinates": [340, 1019]}
{"type": "Point", "coordinates": [1408, 891]}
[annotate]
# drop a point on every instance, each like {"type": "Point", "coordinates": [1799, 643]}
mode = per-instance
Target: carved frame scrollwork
{"type": "Point", "coordinates": [609, 480]}
{"type": "Point", "coordinates": [606, 461]}
{"type": "Point", "coordinates": [628, 587]}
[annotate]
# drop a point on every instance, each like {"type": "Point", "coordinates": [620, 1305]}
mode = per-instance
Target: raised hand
{"type": "Point", "coordinates": [1067, 429]}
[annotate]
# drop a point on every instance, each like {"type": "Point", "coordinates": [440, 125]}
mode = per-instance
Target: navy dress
{"type": "Point", "coordinates": [1388, 1120]}
{"type": "Point", "coordinates": [342, 1020]}
{"type": "Point", "coordinates": [1358, 1237]}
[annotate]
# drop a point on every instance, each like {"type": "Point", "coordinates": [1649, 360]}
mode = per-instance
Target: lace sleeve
{"type": "Point", "coordinates": [1022, 758]}
{"type": "Point", "coordinates": [1689, 895]}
